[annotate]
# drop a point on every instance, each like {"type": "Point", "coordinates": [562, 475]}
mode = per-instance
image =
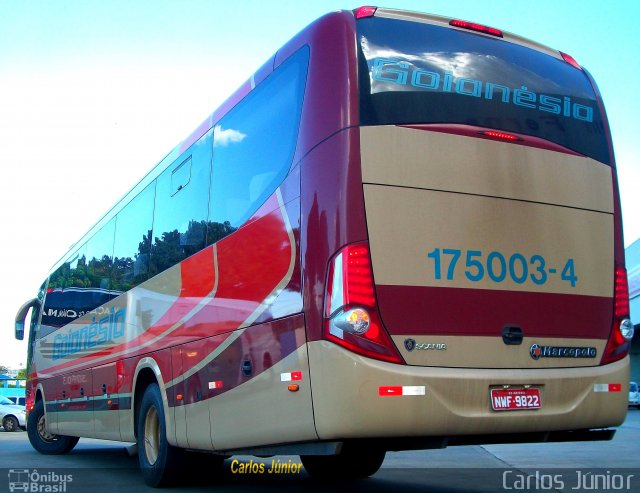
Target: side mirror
{"type": "Point", "coordinates": [22, 315]}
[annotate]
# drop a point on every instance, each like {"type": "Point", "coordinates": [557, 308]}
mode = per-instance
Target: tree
{"type": "Point", "coordinates": [22, 374]}
{"type": "Point", "coordinates": [4, 369]}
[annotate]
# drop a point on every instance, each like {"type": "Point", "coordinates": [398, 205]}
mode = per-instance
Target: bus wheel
{"type": "Point", "coordinates": [159, 461]}
{"type": "Point", "coordinates": [10, 423]}
{"type": "Point", "coordinates": [352, 463]}
{"type": "Point", "coordinates": [43, 441]}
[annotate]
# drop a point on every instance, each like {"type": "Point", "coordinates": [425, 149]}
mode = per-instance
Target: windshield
{"type": "Point", "coordinates": [413, 72]}
{"type": "Point", "coordinates": [4, 400]}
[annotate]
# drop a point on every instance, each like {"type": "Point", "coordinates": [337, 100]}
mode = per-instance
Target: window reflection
{"type": "Point", "coordinates": [254, 145]}
{"type": "Point", "coordinates": [411, 72]}
{"type": "Point", "coordinates": [180, 216]}
{"type": "Point", "coordinates": [133, 241]}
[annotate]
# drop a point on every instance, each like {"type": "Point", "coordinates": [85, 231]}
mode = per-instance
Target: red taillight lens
{"type": "Point", "coordinates": [350, 305]}
{"type": "Point", "coordinates": [618, 346]}
{"type": "Point", "coordinates": [30, 400]}
{"type": "Point", "coordinates": [571, 61]}
{"type": "Point", "coordinates": [358, 276]}
{"type": "Point", "coordinates": [621, 294]}
{"type": "Point", "coordinates": [472, 26]}
{"type": "Point", "coordinates": [500, 136]}
{"type": "Point", "coordinates": [363, 12]}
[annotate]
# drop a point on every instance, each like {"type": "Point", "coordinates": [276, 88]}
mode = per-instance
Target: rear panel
{"type": "Point", "coordinates": [489, 234]}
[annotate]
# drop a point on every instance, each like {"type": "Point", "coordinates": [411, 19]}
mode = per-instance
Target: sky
{"type": "Point", "coordinates": [93, 94]}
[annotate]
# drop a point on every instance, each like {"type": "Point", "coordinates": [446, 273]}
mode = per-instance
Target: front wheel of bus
{"type": "Point", "coordinates": [40, 438]}
{"type": "Point", "coordinates": [159, 461]}
{"type": "Point", "coordinates": [353, 462]}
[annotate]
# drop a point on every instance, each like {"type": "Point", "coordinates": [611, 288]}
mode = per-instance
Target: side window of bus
{"type": "Point", "coordinates": [100, 264]}
{"type": "Point", "coordinates": [73, 272]}
{"type": "Point", "coordinates": [180, 216]}
{"type": "Point", "coordinates": [254, 145]}
{"type": "Point", "coordinates": [132, 244]}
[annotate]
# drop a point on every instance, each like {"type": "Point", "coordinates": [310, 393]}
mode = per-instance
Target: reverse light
{"type": "Point", "coordinates": [354, 321]}
{"type": "Point", "coordinates": [366, 11]}
{"type": "Point", "coordinates": [351, 314]}
{"type": "Point", "coordinates": [626, 329]}
{"type": "Point", "coordinates": [472, 26]}
{"type": "Point", "coordinates": [622, 329]}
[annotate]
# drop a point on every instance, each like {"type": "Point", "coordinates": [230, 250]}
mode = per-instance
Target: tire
{"type": "Point", "coordinates": [353, 462]}
{"type": "Point", "coordinates": [160, 462]}
{"type": "Point", "coordinates": [43, 441]}
{"type": "Point", "coordinates": [10, 423]}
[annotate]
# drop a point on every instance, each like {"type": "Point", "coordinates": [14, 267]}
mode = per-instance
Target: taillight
{"type": "Point", "coordinates": [366, 11]}
{"type": "Point", "coordinates": [500, 136]}
{"type": "Point", "coordinates": [622, 329]}
{"type": "Point", "coordinates": [570, 60]}
{"type": "Point", "coordinates": [30, 400]}
{"type": "Point", "coordinates": [472, 26]}
{"type": "Point", "coordinates": [351, 317]}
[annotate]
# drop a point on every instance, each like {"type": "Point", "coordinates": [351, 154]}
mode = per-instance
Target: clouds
{"type": "Point", "coordinates": [222, 137]}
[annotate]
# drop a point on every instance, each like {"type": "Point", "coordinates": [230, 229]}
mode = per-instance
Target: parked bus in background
{"type": "Point", "coordinates": [403, 232]}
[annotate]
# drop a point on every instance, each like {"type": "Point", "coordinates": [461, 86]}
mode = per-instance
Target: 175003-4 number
{"type": "Point", "coordinates": [498, 267]}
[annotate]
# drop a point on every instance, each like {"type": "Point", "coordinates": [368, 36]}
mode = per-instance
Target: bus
{"type": "Point", "coordinates": [403, 232]}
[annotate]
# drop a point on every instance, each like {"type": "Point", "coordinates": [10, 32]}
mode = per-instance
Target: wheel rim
{"type": "Point", "coordinates": [42, 430]}
{"type": "Point", "coordinates": [8, 425]}
{"type": "Point", "coordinates": [151, 435]}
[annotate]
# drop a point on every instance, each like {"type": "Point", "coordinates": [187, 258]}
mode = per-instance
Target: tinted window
{"type": "Point", "coordinates": [133, 241]}
{"type": "Point", "coordinates": [67, 297]}
{"type": "Point", "coordinates": [182, 197]}
{"type": "Point", "coordinates": [412, 72]}
{"type": "Point", "coordinates": [254, 145]}
{"type": "Point", "coordinates": [100, 257]}
{"type": "Point", "coordinates": [73, 272]}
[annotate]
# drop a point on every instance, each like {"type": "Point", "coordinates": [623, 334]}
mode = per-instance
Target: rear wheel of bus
{"type": "Point", "coordinates": [159, 461]}
{"type": "Point", "coordinates": [41, 439]}
{"type": "Point", "coordinates": [353, 462]}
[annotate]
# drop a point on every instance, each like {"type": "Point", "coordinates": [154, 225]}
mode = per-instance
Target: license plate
{"type": "Point", "coordinates": [514, 399]}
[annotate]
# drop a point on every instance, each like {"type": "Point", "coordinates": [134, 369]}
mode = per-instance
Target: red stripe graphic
{"type": "Point", "coordinates": [246, 276]}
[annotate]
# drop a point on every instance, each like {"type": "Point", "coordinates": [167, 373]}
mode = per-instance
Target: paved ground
{"type": "Point", "coordinates": [95, 466]}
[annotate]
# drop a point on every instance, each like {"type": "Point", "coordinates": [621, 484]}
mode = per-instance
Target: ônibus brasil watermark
{"type": "Point", "coordinates": [32, 481]}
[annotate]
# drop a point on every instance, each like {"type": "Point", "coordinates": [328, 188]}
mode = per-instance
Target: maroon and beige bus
{"type": "Point", "coordinates": [403, 232]}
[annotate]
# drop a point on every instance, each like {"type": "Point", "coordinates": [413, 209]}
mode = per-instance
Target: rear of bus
{"type": "Point", "coordinates": [489, 301]}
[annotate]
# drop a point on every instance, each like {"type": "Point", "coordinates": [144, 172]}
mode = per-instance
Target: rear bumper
{"type": "Point", "coordinates": [456, 402]}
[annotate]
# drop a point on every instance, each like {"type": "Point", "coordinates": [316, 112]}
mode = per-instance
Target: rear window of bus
{"type": "Point", "coordinates": [419, 73]}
